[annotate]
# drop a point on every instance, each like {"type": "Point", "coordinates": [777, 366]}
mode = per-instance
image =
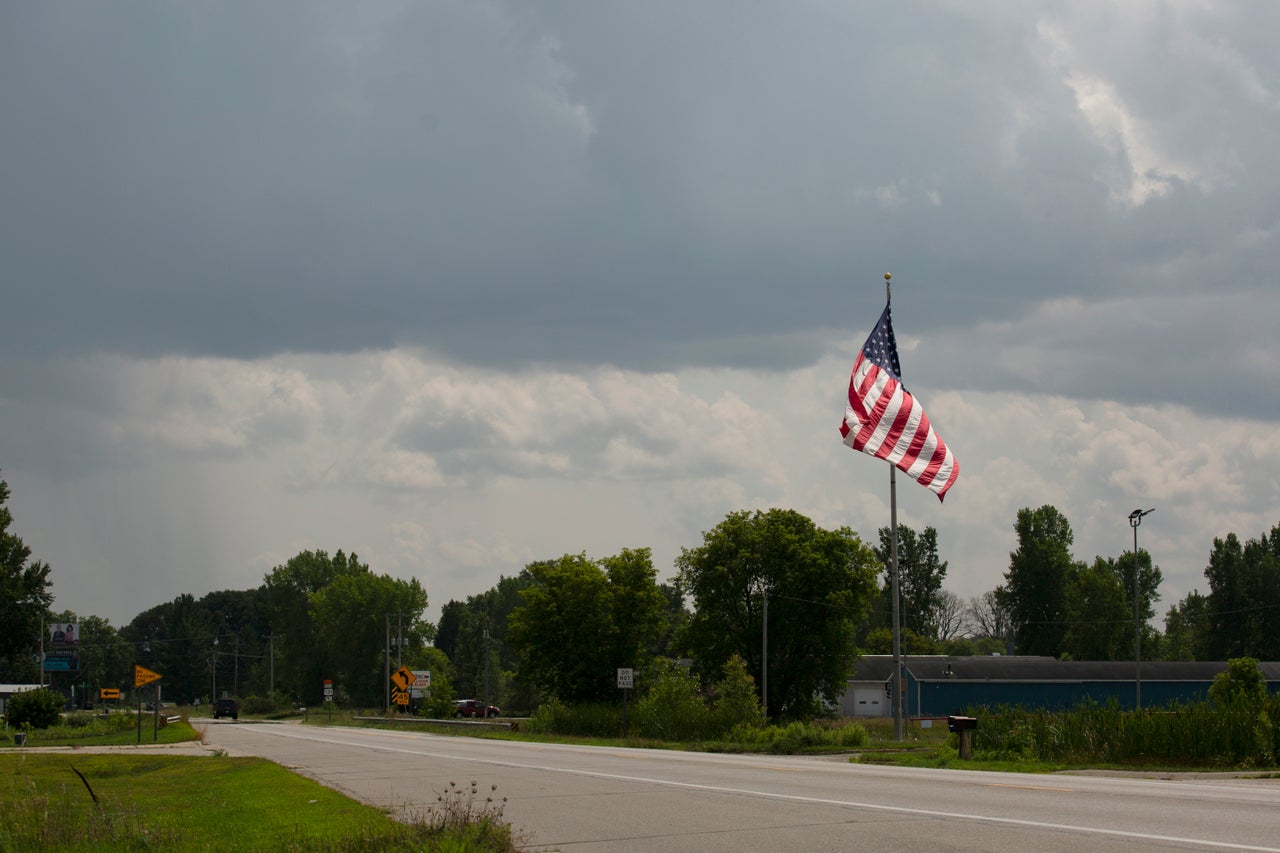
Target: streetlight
{"type": "Point", "coordinates": [1135, 518]}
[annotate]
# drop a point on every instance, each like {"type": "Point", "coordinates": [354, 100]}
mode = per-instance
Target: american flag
{"type": "Point", "coordinates": [884, 420]}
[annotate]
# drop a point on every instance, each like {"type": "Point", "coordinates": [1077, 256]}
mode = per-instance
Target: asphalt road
{"type": "Point", "coordinates": [611, 799]}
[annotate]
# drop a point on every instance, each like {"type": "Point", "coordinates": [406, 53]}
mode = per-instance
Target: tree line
{"type": "Point", "coordinates": [562, 627]}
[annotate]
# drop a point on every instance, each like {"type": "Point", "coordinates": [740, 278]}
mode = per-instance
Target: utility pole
{"type": "Point", "coordinates": [764, 654]}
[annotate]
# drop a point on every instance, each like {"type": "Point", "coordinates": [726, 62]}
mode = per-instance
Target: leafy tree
{"type": "Point", "coordinates": [39, 708]}
{"type": "Point", "coordinates": [674, 619]}
{"type": "Point", "coordinates": [920, 576]}
{"type": "Point", "coordinates": [24, 601]}
{"type": "Point", "coordinates": [288, 589]}
{"type": "Point", "coordinates": [350, 615]}
{"type": "Point", "coordinates": [820, 586]}
{"type": "Point", "coordinates": [1187, 630]}
{"type": "Point", "coordinates": [1098, 614]}
{"type": "Point", "coordinates": [474, 636]}
{"type": "Point", "coordinates": [580, 620]}
{"type": "Point", "coordinates": [1149, 579]}
{"type": "Point", "coordinates": [1244, 597]}
{"type": "Point", "coordinates": [637, 604]}
{"type": "Point", "coordinates": [1035, 588]}
{"type": "Point", "coordinates": [880, 642]}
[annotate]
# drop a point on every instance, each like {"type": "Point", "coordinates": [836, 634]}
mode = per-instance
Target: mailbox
{"type": "Point", "coordinates": [962, 724]}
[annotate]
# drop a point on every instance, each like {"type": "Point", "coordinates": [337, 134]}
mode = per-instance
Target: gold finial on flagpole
{"type": "Point", "coordinates": [887, 296]}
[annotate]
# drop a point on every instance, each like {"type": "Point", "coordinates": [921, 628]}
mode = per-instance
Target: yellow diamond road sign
{"type": "Point", "coordinates": [142, 675]}
{"type": "Point", "coordinates": [402, 678]}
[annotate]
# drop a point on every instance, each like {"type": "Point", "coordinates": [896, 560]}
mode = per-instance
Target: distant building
{"type": "Point", "coordinates": [940, 685]}
{"type": "Point", "coordinates": [8, 691]}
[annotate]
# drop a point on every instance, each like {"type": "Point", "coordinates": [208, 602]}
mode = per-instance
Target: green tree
{"type": "Point", "coordinates": [1244, 597]}
{"type": "Point", "coordinates": [302, 667]}
{"type": "Point", "coordinates": [1187, 630]}
{"type": "Point", "coordinates": [920, 576]}
{"type": "Point", "coordinates": [1035, 588]}
{"type": "Point", "coordinates": [350, 614]}
{"type": "Point", "coordinates": [1098, 614]}
{"type": "Point", "coordinates": [820, 585]}
{"type": "Point", "coordinates": [474, 636]}
{"type": "Point", "coordinates": [24, 601]}
{"type": "Point", "coordinates": [580, 620]}
{"type": "Point", "coordinates": [880, 642]}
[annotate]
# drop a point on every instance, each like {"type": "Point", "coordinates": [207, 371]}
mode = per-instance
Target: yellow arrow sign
{"type": "Point", "coordinates": [142, 675]}
{"type": "Point", "coordinates": [402, 677]}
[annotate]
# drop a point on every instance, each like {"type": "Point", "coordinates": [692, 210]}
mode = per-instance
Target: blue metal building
{"type": "Point", "coordinates": [940, 685]}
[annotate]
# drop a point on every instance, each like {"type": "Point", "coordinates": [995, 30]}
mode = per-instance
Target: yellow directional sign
{"type": "Point", "coordinates": [142, 675]}
{"type": "Point", "coordinates": [109, 693]}
{"type": "Point", "coordinates": [402, 678]}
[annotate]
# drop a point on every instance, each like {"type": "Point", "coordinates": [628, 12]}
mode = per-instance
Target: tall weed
{"type": "Point", "coordinates": [1192, 734]}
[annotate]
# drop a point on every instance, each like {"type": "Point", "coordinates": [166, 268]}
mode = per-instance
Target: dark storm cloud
{"type": "Point", "coordinates": [649, 185]}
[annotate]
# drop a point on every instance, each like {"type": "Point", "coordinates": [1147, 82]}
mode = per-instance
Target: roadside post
{"type": "Point", "coordinates": [328, 697]}
{"type": "Point", "coordinates": [626, 680]}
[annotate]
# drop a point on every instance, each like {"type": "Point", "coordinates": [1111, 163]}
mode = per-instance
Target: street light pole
{"type": "Point", "coordinates": [1135, 518]}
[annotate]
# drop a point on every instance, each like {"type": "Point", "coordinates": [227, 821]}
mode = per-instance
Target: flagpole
{"type": "Point", "coordinates": [895, 584]}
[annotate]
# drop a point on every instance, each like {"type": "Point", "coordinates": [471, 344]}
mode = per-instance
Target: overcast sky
{"type": "Point", "coordinates": [462, 285]}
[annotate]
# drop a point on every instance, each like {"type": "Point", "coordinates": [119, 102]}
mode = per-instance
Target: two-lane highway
{"type": "Point", "coordinates": [595, 798]}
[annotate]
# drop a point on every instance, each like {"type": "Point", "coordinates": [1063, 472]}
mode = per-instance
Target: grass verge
{"type": "Point", "coordinates": [185, 803]}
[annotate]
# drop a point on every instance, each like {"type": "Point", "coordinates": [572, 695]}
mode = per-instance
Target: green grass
{"type": "Point", "coordinates": [218, 803]}
{"type": "Point", "coordinates": [116, 730]}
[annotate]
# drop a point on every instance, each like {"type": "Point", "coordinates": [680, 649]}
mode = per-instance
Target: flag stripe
{"type": "Point", "coordinates": [884, 420]}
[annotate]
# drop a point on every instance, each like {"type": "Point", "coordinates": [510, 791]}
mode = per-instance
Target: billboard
{"type": "Point", "coordinates": [61, 647]}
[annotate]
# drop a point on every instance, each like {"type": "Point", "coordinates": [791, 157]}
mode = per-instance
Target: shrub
{"type": "Point", "coordinates": [39, 708]}
{"type": "Point", "coordinates": [261, 705]}
{"type": "Point", "coordinates": [1241, 683]}
{"type": "Point", "coordinates": [801, 737]}
{"type": "Point", "coordinates": [585, 720]}
{"type": "Point", "coordinates": [672, 709]}
{"type": "Point", "coordinates": [737, 702]}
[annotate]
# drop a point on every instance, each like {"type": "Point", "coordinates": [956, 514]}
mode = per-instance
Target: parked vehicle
{"type": "Point", "coordinates": [475, 708]}
{"type": "Point", "coordinates": [226, 708]}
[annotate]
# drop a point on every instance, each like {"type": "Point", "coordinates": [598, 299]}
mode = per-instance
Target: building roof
{"type": "Point", "coordinates": [1035, 668]}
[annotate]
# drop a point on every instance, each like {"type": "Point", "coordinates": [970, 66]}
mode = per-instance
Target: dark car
{"type": "Point", "coordinates": [475, 708]}
{"type": "Point", "coordinates": [226, 708]}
